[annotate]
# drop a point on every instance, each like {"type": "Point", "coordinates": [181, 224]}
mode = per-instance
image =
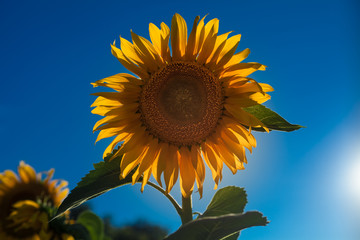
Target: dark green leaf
{"type": "Point", "coordinates": [234, 236]}
{"type": "Point", "coordinates": [93, 224]}
{"type": "Point", "coordinates": [78, 231]}
{"type": "Point", "coordinates": [227, 200]}
{"type": "Point", "coordinates": [271, 119]}
{"type": "Point", "coordinates": [214, 228]}
{"type": "Point", "coordinates": [104, 178]}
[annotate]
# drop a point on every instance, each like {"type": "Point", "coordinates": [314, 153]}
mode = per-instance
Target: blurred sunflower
{"type": "Point", "coordinates": [26, 202]}
{"type": "Point", "coordinates": [184, 108]}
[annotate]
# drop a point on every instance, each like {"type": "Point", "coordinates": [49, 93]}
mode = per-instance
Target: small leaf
{"type": "Point", "coordinates": [227, 200]}
{"type": "Point", "coordinates": [271, 119]}
{"type": "Point", "coordinates": [103, 178]}
{"type": "Point", "coordinates": [214, 228]}
{"type": "Point", "coordinates": [93, 224]}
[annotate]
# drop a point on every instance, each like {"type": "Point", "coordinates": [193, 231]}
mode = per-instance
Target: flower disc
{"type": "Point", "coordinates": [181, 104]}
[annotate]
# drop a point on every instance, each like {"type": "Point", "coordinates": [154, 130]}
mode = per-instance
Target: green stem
{"type": "Point", "coordinates": [186, 215]}
{"type": "Point", "coordinates": [172, 200]}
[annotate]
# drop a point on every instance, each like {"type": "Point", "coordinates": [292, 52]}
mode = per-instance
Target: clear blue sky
{"type": "Point", "coordinates": [306, 182]}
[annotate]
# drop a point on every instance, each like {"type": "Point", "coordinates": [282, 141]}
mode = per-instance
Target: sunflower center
{"type": "Point", "coordinates": [29, 191]}
{"type": "Point", "coordinates": [181, 103]}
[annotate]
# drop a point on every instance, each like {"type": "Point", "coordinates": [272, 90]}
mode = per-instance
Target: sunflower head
{"type": "Point", "coordinates": [183, 107]}
{"type": "Point", "coordinates": [27, 201]}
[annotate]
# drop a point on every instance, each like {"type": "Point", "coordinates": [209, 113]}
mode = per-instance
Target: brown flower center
{"type": "Point", "coordinates": [23, 191]}
{"type": "Point", "coordinates": [181, 103]}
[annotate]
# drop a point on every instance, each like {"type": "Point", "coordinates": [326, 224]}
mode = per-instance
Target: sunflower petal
{"type": "Point", "coordinates": [27, 173]}
{"type": "Point", "coordinates": [127, 63]}
{"type": "Point", "coordinates": [190, 53]}
{"type": "Point", "coordinates": [146, 53]}
{"type": "Point", "coordinates": [228, 51]}
{"type": "Point", "coordinates": [178, 37]}
{"type": "Point", "coordinates": [155, 36]}
{"type": "Point", "coordinates": [243, 69]}
{"type": "Point", "coordinates": [187, 173]}
{"type": "Point", "coordinates": [238, 57]}
{"type": "Point", "coordinates": [148, 159]}
{"type": "Point", "coordinates": [160, 162]}
{"type": "Point", "coordinates": [172, 168]}
{"type": "Point", "coordinates": [199, 167]}
{"type": "Point", "coordinates": [165, 36]}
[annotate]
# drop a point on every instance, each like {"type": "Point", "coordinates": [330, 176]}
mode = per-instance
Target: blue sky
{"type": "Point", "coordinates": [306, 182]}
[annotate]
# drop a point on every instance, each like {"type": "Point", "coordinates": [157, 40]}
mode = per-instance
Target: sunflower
{"type": "Point", "coordinates": [181, 108]}
{"type": "Point", "coordinates": [25, 202]}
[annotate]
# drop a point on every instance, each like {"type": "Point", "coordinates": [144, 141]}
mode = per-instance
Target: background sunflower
{"type": "Point", "coordinates": [26, 203]}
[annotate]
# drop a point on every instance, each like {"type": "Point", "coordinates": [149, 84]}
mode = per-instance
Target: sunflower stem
{"type": "Point", "coordinates": [186, 215]}
{"type": "Point", "coordinates": [172, 200]}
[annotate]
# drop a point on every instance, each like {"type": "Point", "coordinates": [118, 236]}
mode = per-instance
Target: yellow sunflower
{"type": "Point", "coordinates": [24, 199]}
{"type": "Point", "coordinates": [182, 108]}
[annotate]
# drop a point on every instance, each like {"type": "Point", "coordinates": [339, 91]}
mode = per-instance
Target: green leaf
{"type": "Point", "coordinates": [214, 228]}
{"type": "Point", "coordinates": [234, 236]}
{"type": "Point", "coordinates": [102, 179]}
{"type": "Point", "coordinates": [271, 119]}
{"type": "Point", "coordinates": [78, 231]}
{"type": "Point", "coordinates": [227, 200]}
{"type": "Point", "coordinates": [93, 224]}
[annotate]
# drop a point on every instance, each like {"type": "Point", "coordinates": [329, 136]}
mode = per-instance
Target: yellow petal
{"type": "Point", "coordinates": [187, 173]}
{"type": "Point", "coordinates": [117, 96]}
{"type": "Point", "coordinates": [236, 137]}
{"type": "Point", "coordinates": [160, 162]}
{"type": "Point", "coordinates": [8, 178]}
{"type": "Point", "coordinates": [228, 51]}
{"type": "Point", "coordinates": [237, 58]}
{"type": "Point", "coordinates": [219, 45]}
{"type": "Point", "coordinates": [200, 35]}
{"type": "Point", "coordinates": [243, 69]}
{"type": "Point", "coordinates": [148, 159]}
{"type": "Point", "coordinates": [60, 196]}
{"type": "Point", "coordinates": [131, 159]}
{"type": "Point", "coordinates": [146, 53]}
{"type": "Point", "coordinates": [129, 51]}
{"type": "Point", "coordinates": [234, 148]}
{"type": "Point", "coordinates": [212, 161]}
{"type": "Point", "coordinates": [178, 37]}
{"type": "Point", "coordinates": [246, 99]}
{"type": "Point", "coordinates": [172, 168]}
{"type": "Point", "coordinates": [27, 173]}
{"type": "Point", "coordinates": [266, 87]}
{"type": "Point", "coordinates": [119, 79]}
{"type": "Point", "coordinates": [165, 35]}
{"type": "Point", "coordinates": [230, 123]}
{"type": "Point", "coordinates": [139, 137]}
{"type": "Point", "coordinates": [208, 46]}
{"type": "Point", "coordinates": [199, 166]}
{"type": "Point", "coordinates": [125, 110]}
{"type": "Point", "coordinates": [190, 53]}
{"type": "Point", "coordinates": [49, 175]}
{"type": "Point", "coordinates": [110, 132]}
{"type": "Point", "coordinates": [119, 138]}
{"type": "Point", "coordinates": [114, 118]}
{"type": "Point", "coordinates": [128, 64]}
{"type": "Point", "coordinates": [228, 158]}
{"type": "Point", "coordinates": [155, 36]}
